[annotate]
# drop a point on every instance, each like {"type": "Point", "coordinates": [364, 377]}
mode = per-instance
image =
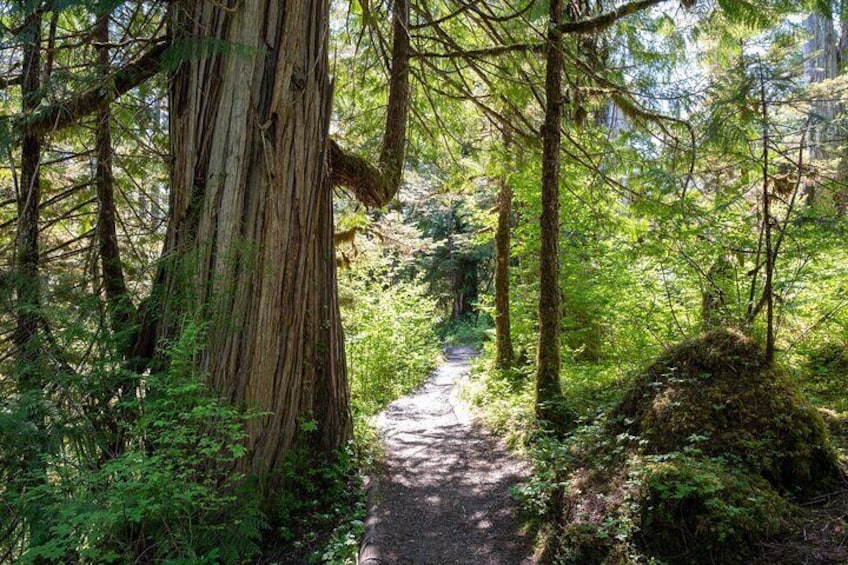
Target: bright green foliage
{"type": "Point", "coordinates": [390, 339]}
{"type": "Point", "coordinates": [319, 514]}
{"type": "Point", "coordinates": [689, 502]}
{"type": "Point", "coordinates": [471, 330]}
{"type": "Point", "coordinates": [700, 461]}
{"type": "Point", "coordinates": [171, 493]}
{"type": "Point", "coordinates": [717, 389]}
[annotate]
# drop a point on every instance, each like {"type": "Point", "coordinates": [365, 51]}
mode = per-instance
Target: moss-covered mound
{"type": "Point", "coordinates": [703, 459]}
{"type": "Point", "coordinates": [717, 395]}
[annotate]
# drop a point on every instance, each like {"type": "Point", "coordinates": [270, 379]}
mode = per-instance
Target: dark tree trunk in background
{"type": "Point", "coordinates": [503, 339]}
{"type": "Point", "coordinates": [117, 297]}
{"type": "Point", "coordinates": [465, 287]}
{"type": "Point", "coordinates": [548, 389]}
{"type": "Point", "coordinates": [29, 472]}
{"type": "Point", "coordinates": [27, 283]}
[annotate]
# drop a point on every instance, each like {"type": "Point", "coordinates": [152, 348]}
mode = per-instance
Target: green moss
{"type": "Point", "coordinates": [715, 393]}
{"type": "Point", "coordinates": [702, 511]}
{"type": "Point", "coordinates": [701, 461]}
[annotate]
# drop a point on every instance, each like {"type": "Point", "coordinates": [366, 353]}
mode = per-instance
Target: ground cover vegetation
{"type": "Point", "coordinates": [232, 232]}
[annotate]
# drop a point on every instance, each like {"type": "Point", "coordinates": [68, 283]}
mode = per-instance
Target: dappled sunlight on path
{"type": "Point", "coordinates": [444, 494]}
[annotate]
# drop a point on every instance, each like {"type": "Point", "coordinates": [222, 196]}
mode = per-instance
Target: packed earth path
{"type": "Point", "coordinates": [444, 493]}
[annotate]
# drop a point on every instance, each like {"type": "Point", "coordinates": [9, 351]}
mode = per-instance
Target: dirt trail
{"type": "Point", "coordinates": [444, 494]}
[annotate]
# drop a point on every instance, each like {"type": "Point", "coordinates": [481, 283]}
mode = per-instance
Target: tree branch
{"type": "Point", "coordinates": [484, 52]}
{"type": "Point", "coordinates": [68, 112]}
{"type": "Point", "coordinates": [376, 185]}
{"type": "Point", "coordinates": [604, 21]}
{"type": "Point", "coordinates": [10, 81]}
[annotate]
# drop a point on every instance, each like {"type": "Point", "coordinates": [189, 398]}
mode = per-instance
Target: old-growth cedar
{"type": "Point", "coordinates": [249, 247]}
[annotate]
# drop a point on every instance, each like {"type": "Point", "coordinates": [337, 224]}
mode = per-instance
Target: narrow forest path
{"type": "Point", "coordinates": [443, 496]}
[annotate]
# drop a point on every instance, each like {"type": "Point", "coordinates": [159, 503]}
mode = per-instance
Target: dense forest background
{"type": "Point", "coordinates": [232, 231]}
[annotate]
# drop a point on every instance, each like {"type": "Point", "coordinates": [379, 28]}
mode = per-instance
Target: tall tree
{"type": "Point", "coordinates": [29, 471]}
{"type": "Point", "coordinates": [249, 246]}
{"type": "Point", "coordinates": [28, 289]}
{"type": "Point", "coordinates": [503, 338]}
{"type": "Point", "coordinates": [547, 376]}
{"type": "Point", "coordinates": [114, 284]}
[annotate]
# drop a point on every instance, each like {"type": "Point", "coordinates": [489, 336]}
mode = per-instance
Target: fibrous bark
{"type": "Point", "coordinates": [249, 248]}
{"type": "Point", "coordinates": [250, 235]}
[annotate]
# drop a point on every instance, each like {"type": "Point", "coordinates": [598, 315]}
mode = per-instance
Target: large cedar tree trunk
{"type": "Point", "coordinates": [249, 245]}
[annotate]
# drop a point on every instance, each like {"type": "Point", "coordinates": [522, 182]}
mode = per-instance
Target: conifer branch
{"type": "Point", "coordinates": [55, 117]}
{"type": "Point", "coordinates": [604, 21]}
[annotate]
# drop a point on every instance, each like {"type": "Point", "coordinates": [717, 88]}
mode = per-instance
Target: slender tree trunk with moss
{"type": "Point", "coordinates": [503, 339]}
{"type": "Point", "coordinates": [29, 472]}
{"type": "Point", "coordinates": [548, 389]}
{"type": "Point", "coordinates": [117, 296]}
{"type": "Point", "coordinates": [768, 285]}
{"type": "Point", "coordinates": [27, 281]}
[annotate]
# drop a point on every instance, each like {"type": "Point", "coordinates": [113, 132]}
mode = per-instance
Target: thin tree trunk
{"type": "Point", "coordinates": [768, 292]}
{"type": "Point", "coordinates": [548, 389]}
{"type": "Point", "coordinates": [503, 339]}
{"type": "Point", "coordinates": [30, 367]}
{"type": "Point", "coordinates": [28, 287]}
{"type": "Point", "coordinates": [117, 297]}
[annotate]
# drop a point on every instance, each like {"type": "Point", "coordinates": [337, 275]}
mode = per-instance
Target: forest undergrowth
{"type": "Point", "coordinates": [727, 475]}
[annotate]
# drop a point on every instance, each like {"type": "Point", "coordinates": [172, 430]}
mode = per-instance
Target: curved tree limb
{"type": "Point", "coordinates": [376, 185]}
{"type": "Point", "coordinates": [604, 21]}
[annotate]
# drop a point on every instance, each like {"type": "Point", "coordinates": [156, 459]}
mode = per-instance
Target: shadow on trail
{"type": "Point", "coordinates": [445, 493]}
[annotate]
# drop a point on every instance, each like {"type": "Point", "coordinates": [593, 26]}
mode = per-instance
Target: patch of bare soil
{"type": "Point", "coordinates": [444, 494]}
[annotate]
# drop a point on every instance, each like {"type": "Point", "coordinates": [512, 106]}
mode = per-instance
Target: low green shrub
{"type": "Point", "coordinates": [702, 460]}
{"type": "Point", "coordinates": [320, 512]}
{"type": "Point", "coordinates": [701, 510]}
{"type": "Point", "coordinates": [471, 330]}
{"type": "Point", "coordinates": [171, 493]}
{"type": "Point", "coordinates": [390, 339]}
